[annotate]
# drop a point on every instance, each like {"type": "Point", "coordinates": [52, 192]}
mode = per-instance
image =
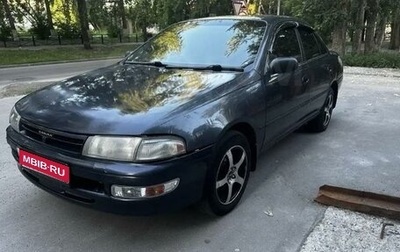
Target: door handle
{"type": "Point", "coordinates": [305, 80]}
{"type": "Point", "coordinates": [329, 68]}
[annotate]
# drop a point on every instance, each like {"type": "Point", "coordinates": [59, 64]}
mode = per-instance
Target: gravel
{"type": "Point", "coordinates": [344, 230]}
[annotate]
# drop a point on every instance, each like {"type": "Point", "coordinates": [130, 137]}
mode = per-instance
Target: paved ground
{"type": "Point", "coordinates": [22, 80]}
{"type": "Point", "coordinates": [360, 150]}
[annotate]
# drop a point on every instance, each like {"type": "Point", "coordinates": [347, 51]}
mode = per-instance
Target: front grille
{"type": "Point", "coordinates": [61, 140]}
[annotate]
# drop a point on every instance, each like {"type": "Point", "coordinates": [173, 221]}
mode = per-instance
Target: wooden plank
{"type": "Point", "coordinates": [360, 201]}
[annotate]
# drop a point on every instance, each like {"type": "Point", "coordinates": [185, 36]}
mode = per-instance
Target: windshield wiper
{"type": "Point", "coordinates": [219, 68]}
{"type": "Point", "coordinates": [150, 63]}
{"type": "Point", "coordinates": [216, 68]}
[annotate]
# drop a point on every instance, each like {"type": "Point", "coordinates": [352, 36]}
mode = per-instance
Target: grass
{"type": "Point", "coordinates": [54, 54]}
{"type": "Point", "coordinates": [375, 60]}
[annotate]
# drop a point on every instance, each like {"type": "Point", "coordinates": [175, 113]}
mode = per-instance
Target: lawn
{"type": "Point", "coordinates": [53, 54]}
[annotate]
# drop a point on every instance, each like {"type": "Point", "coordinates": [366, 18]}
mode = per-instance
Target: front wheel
{"type": "Point", "coordinates": [229, 173]}
{"type": "Point", "coordinates": [321, 122]}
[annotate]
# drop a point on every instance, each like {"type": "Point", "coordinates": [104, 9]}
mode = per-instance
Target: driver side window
{"type": "Point", "coordinates": [286, 44]}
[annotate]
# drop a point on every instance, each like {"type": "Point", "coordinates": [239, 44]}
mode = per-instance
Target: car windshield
{"type": "Point", "coordinates": [225, 42]}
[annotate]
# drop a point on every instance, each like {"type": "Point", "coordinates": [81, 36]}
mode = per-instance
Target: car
{"type": "Point", "coordinates": [181, 119]}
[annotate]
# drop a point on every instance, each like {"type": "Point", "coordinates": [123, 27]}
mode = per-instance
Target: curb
{"type": "Point", "coordinates": [367, 71]}
{"type": "Point", "coordinates": [57, 62]}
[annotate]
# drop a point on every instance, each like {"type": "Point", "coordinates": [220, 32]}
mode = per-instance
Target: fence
{"type": "Point", "coordinates": [27, 41]}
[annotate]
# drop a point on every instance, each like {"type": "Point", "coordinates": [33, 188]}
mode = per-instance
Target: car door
{"type": "Point", "coordinates": [285, 93]}
{"type": "Point", "coordinates": [319, 68]}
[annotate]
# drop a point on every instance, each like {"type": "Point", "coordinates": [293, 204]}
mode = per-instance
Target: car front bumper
{"type": "Point", "coordinates": [91, 180]}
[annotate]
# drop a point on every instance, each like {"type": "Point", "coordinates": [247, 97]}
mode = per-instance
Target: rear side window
{"type": "Point", "coordinates": [322, 46]}
{"type": "Point", "coordinates": [286, 44]}
{"type": "Point", "coordinates": [310, 45]}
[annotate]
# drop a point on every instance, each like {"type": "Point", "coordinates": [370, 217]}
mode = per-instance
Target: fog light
{"type": "Point", "coordinates": [133, 192]}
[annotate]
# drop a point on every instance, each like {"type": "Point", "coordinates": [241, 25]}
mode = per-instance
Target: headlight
{"type": "Point", "coordinates": [160, 148]}
{"type": "Point", "coordinates": [133, 148]}
{"type": "Point", "coordinates": [14, 119]}
{"type": "Point", "coordinates": [113, 148]}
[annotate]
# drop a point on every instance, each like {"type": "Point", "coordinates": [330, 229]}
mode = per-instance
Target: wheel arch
{"type": "Point", "coordinates": [248, 131]}
{"type": "Point", "coordinates": [335, 88]}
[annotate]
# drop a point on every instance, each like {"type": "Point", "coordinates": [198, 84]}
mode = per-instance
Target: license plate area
{"type": "Point", "coordinates": [44, 166]}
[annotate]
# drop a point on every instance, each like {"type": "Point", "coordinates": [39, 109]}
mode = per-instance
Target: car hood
{"type": "Point", "coordinates": [122, 99]}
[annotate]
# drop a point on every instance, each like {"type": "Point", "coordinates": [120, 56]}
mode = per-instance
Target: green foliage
{"type": "Point", "coordinates": [68, 30]}
{"type": "Point", "coordinates": [40, 28]}
{"type": "Point", "coordinates": [99, 15]}
{"type": "Point", "coordinates": [113, 31]}
{"type": "Point", "coordinates": [320, 14]}
{"type": "Point", "coordinates": [64, 11]}
{"type": "Point", "coordinates": [5, 32]}
{"type": "Point", "coordinates": [376, 60]}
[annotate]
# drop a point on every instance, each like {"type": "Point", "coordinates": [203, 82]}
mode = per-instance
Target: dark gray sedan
{"type": "Point", "coordinates": [181, 119]}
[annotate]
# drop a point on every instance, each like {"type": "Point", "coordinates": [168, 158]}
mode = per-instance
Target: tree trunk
{"type": "Point", "coordinates": [48, 13]}
{"type": "Point", "coordinates": [340, 30]}
{"type": "Point", "coordinates": [339, 38]}
{"type": "Point", "coordinates": [10, 19]}
{"type": "Point", "coordinates": [359, 26]}
{"type": "Point", "coordinates": [372, 14]}
{"type": "Point", "coordinates": [9, 16]}
{"type": "Point", "coordinates": [49, 16]}
{"type": "Point", "coordinates": [395, 34]}
{"type": "Point", "coordinates": [122, 13]}
{"type": "Point", "coordinates": [380, 32]}
{"type": "Point", "coordinates": [144, 33]}
{"type": "Point", "coordinates": [83, 20]}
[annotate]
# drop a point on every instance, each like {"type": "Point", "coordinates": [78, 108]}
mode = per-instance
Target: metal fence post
{"type": "Point", "coordinates": [59, 39]}
{"type": "Point", "coordinates": [102, 39]}
{"type": "Point", "coordinates": [33, 40]}
{"type": "Point", "coordinates": [4, 41]}
{"type": "Point", "coordinates": [120, 38]}
{"type": "Point", "coordinates": [82, 39]}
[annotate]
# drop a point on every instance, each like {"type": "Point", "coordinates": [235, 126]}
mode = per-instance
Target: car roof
{"type": "Point", "coordinates": [270, 19]}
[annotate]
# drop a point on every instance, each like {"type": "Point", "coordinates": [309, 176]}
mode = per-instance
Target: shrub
{"type": "Point", "coordinates": [69, 31]}
{"type": "Point", "coordinates": [113, 31]}
{"type": "Point", "coordinates": [376, 60]}
{"type": "Point", "coordinates": [40, 28]}
{"type": "Point", "coordinates": [5, 32]}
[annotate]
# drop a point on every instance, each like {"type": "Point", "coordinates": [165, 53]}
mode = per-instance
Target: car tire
{"type": "Point", "coordinates": [321, 122]}
{"type": "Point", "coordinates": [228, 175]}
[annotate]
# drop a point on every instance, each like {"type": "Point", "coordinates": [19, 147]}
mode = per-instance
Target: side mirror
{"type": "Point", "coordinates": [284, 65]}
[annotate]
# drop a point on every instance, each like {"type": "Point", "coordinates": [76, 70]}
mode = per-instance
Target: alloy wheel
{"type": "Point", "coordinates": [231, 174]}
{"type": "Point", "coordinates": [328, 109]}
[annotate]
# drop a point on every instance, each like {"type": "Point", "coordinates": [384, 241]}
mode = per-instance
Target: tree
{"type": "Point", "coordinates": [49, 15]}
{"type": "Point", "coordinates": [143, 14]}
{"type": "Point", "coordinates": [84, 24]}
{"type": "Point", "coordinates": [99, 15]}
{"type": "Point", "coordinates": [395, 27]}
{"type": "Point", "coordinates": [340, 29]}
{"type": "Point", "coordinates": [35, 13]}
{"type": "Point", "coordinates": [10, 18]}
{"type": "Point", "coordinates": [372, 15]}
{"type": "Point", "coordinates": [121, 7]}
{"type": "Point", "coordinates": [358, 25]}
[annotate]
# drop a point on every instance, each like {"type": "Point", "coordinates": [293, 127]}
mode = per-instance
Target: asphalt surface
{"type": "Point", "coordinates": [21, 80]}
{"type": "Point", "coordinates": [360, 150]}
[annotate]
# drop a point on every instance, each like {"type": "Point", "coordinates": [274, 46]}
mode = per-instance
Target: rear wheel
{"type": "Point", "coordinates": [229, 174]}
{"type": "Point", "coordinates": [321, 122]}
